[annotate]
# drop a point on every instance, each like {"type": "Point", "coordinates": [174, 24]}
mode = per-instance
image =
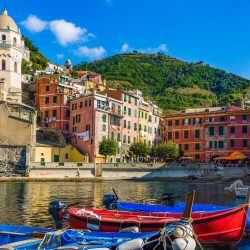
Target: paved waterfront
{"type": "Point", "coordinates": [26, 203]}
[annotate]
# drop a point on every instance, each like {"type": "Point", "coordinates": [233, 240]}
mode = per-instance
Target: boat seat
{"type": "Point", "coordinates": [135, 244]}
{"type": "Point", "coordinates": [20, 243]}
{"type": "Point", "coordinates": [130, 230]}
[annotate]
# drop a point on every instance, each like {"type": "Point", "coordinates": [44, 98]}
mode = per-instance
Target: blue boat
{"type": "Point", "coordinates": [111, 201]}
{"type": "Point", "coordinates": [86, 240]}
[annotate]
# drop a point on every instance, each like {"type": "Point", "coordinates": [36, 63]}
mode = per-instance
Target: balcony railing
{"type": "Point", "coordinates": [8, 44]}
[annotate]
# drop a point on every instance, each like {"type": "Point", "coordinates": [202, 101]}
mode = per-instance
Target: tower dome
{"type": "Point", "coordinates": [7, 23]}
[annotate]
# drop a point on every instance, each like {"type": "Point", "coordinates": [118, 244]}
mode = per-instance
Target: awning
{"type": "Point", "coordinates": [237, 155]}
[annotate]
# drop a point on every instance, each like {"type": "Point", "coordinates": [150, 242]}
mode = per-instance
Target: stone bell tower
{"type": "Point", "coordinates": [11, 53]}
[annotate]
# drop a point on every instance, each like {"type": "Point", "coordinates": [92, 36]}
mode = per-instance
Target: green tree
{"type": "Point", "coordinates": [168, 150]}
{"type": "Point", "coordinates": [139, 149]}
{"type": "Point", "coordinates": [107, 147]}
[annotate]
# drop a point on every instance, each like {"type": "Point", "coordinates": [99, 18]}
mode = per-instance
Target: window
{"type": "Point", "coordinates": [124, 139]}
{"type": "Point", "coordinates": [232, 130]}
{"type": "Point", "coordinates": [118, 137]}
{"type": "Point", "coordinates": [213, 144]}
{"type": "Point", "coordinates": [221, 131]}
{"type": "Point", "coordinates": [177, 122]}
{"type": "Point", "coordinates": [244, 117]}
{"type": "Point", "coordinates": [146, 116]}
{"type": "Point", "coordinates": [222, 118]}
{"type": "Point", "coordinates": [177, 135]}
{"type": "Point", "coordinates": [135, 126]}
{"type": "Point", "coordinates": [46, 113]}
{"type": "Point", "coordinates": [78, 118]}
{"type": "Point", "coordinates": [186, 134]}
{"type": "Point", "coordinates": [197, 134]}
{"type": "Point", "coordinates": [135, 101]}
{"type": "Point", "coordinates": [129, 111]}
{"type": "Point", "coordinates": [197, 146]}
{"type": "Point", "coordinates": [129, 139]}
{"type": "Point", "coordinates": [186, 121]}
{"type": "Point", "coordinates": [66, 156]}
{"type": "Point", "coordinates": [197, 157]}
{"type": "Point", "coordinates": [197, 121]}
{"type": "Point", "coordinates": [74, 120]}
{"type": "Point", "coordinates": [134, 139]}
{"type": "Point", "coordinates": [140, 127]}
{"type": "Point", "coordinates": [15, 67]}
{"type": "Point", "coordinates": [170, 123]}
{"type": "Point", "coordinates": [67, 113]}
{"type": "Point", "coordinates": [150, 118]}
{"type": "Point", "coordinates": [54, 113]}
{"type": "Point", "coordinates": [88, 127]}
{"type": "Point", "coordinates": [145, 128]}
{"type": "Point", "coordinates": [232, 143]}
{"type": "Point", "coordinates": [56, 158]}
{"type": "Point", "coordinates": [124, 123]}
{"type": "Point", "coordinates": [129, 124]}
{"type": "Point", "coordinates": [104, 118]}
{"type": "Point", "coordinates": [125, 97]}
{"type": "Point", "coordinates": [68, 99]}
{"type": "Point", "coordinates": [113, 135]}
{"type": "Point", "coordinates": [81, 105]}
{"type": "Point", "coordinates": [169, 135]}
{"type": "Point", "coordinates": [54, 99]}
{"type": "Point", "coordinates": [14, 40]}
{"type": "Point", "coordinates": [185, 146]}
{"type": "Point", "coordinates": [103, 127]}
{"type": "Point", "coordinates": [211, 131]}
{"type": "Point", "coordinates": [244, 143]}
{"type": "Point", "coordinates": [211, 119]}
{"type": "Point", "coordinates": [67, 126]}
{"type": "Point", "coordinates": [129, 99]}
{"type": "Point", "coordinates": [47, 99]}
{"type": "Point", "coordinates": [150, 130]}
{"type": "Point", "coordinates": [47, 88]}
{"type": "Point", "coordinates": [135, 113]}
{"type": "Point", "coordinates": [244, 129]}
{"type": "Point", "coordinates": [125, 110]}
{"type": "Point", "coordinates": [104, 138]}
{"type": "Point", "coordinates": [221, 144]}
{"type": "Point", "coordinates": [3, 64]}
{"type": "Point", "coordinates": [3, 38]}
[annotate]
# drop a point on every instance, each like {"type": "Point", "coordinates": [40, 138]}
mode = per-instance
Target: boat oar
{"type": "Point", "coordinates": [186, 216]}
{"type": "Point", "coordinates": [115, 194]}
{"type": "Point", "coordinates": [73, 204]}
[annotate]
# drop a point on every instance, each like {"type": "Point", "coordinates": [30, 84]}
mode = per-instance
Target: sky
{"type": "Point", "coordinates": [216, 32]}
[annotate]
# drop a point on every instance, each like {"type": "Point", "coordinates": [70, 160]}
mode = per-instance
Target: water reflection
{"type": "Point", "coordinates": [27, 203]}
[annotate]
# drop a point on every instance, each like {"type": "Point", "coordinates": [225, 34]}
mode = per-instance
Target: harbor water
{"type": "Point", "coordinates": [26, 203]}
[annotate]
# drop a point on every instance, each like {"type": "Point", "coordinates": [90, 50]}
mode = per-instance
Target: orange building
{"type": "Point", "coordinates": [206, 133]}
{"type": "Point", "coordinates": [53, 95]}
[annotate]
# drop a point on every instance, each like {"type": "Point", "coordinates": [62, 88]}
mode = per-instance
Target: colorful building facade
{"type": "Point", "coordinates": [205, 133]}
{"type": "Point", "coordinates": [53, 95]}
{"type": "Point", "coordinates": [111, 114]}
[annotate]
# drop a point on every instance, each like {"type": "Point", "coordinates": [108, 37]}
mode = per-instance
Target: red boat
{"type": "Point", "coordinates": [211, 228]}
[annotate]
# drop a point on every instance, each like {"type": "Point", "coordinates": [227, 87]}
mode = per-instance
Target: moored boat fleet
{"type": "Point", "coordinates": [134, 226]}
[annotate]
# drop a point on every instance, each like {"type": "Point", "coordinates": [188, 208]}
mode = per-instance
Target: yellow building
{"type": "Point", "coordinates": [50, 153]}
{"type": "Point", "coordinates": [143, 121]}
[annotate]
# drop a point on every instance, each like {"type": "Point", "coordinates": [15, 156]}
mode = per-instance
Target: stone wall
{"type": "Point", "coordinates": [12, 160]}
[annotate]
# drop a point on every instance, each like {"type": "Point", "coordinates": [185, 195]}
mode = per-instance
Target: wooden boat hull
{"type": "Point", "coordinates": [212, 228]}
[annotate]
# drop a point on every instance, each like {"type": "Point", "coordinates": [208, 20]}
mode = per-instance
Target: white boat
{"type": "Point", "coordinates": [241, 192]}
{"type": "Point", "coordinates": [238, 188]}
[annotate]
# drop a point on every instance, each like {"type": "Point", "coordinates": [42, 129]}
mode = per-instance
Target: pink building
{"type": "Point", "coordinates": [95, 118]}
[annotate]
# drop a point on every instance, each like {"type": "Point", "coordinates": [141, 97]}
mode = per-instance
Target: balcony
{"type": "Point", "coordinates": [8, 44]}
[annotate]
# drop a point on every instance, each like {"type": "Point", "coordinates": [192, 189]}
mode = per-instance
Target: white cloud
{"type": "Point", "coordinates": [161, 48]}
{"type": "Point", "coordinates": [34, 24]}
{"type": "Point", "coordinates": [60, 56]}
{"type": "Point", "coordinates": [91, 53]}
{"type": "Point", "coordinates": [65, 32]}
{"type": "Point", "coordinates": [125, 48]}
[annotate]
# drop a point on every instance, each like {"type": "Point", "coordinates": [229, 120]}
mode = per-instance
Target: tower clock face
{"type": "Point", "coordinates": [16, 57]}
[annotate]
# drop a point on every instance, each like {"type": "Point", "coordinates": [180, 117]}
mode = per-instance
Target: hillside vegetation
{"type": "Point", "coordinates": [37, 60]}
{"type": "Point", "coordinates": [172, 83]}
